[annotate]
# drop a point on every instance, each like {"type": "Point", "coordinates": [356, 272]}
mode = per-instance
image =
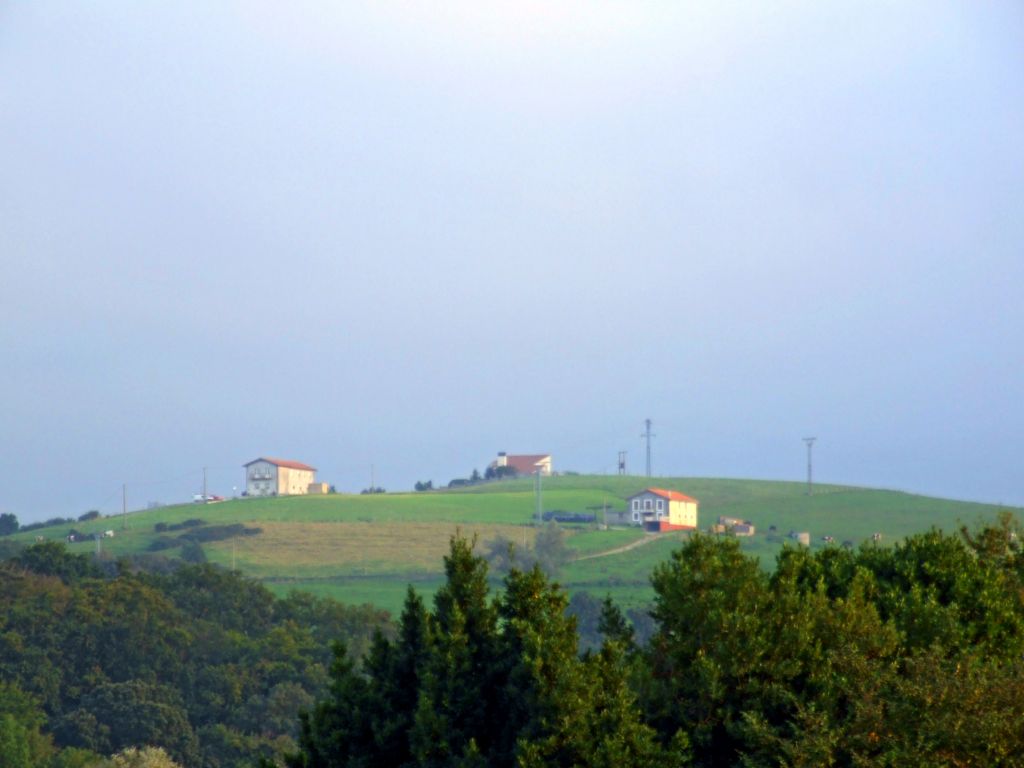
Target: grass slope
{"type": "Point", "coordinates": [367, 548]}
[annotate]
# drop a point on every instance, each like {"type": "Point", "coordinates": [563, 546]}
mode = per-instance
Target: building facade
{"type": "Point", "coordinates": [278, 477]}
{"type": "Point", "coordinates": [659, 510]}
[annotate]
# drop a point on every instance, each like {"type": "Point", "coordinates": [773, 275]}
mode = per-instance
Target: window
{"type": "Point", "coordinates": [636, 512]}
{"type": "Point", "coordinates": [636, 506]}
{"type": "Point", "coordinates": [648, 505]}
{"type": "Point", "coordinates": [661, 505]}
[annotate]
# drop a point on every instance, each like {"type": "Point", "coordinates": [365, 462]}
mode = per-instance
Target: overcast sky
{"type": "Point", "coordinates": [410, 235]}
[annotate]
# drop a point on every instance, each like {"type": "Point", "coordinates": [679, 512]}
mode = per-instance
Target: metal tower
{"type": "Point", "coordinates": [810, 446]}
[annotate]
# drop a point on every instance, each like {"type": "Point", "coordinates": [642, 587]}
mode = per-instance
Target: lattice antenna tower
{"type": "Point", "coordinates": [647, 435]}
{"type": "Point", "coordinates": [810, 447]}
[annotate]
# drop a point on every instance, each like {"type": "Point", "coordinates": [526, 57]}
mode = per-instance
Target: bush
{"type": "Point", "coordinates": [561, 516]}
{"type": "Point", "coordinates": [499, 473]}
{"type": "Point", "coordinates": [9, 549]}
{"type": "Point", "coordinates": [219, 533]}
{"type": "Point", "coordinates": [92, 514]}
{"type": "Point", "coordinates": [192, 552]}
{"type": "Point", "coordinates": [194, 522]}
{"type": "Point", "coordinates": [48, 523]}
{"type": "Point", "coordinates": [8, 523]}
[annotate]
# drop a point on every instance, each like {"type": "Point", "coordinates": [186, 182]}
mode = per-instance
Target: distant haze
{"type": "Point", "coordinates": [412, 235]}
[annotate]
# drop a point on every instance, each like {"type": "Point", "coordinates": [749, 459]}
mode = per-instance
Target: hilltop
{"type": "Point", "coordinates": [366, 548]}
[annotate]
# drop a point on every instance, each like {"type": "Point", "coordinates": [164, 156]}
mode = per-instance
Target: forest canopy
{"type": "Point", "coordinates": [909, 655]}
{"type": "Point", "coordinates": [897, 656]}
{"type": "Point", "coordinates": [199, 661]}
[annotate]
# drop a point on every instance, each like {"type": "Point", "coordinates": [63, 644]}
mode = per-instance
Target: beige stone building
{"type": "Point", "coordinates": [278, 477]}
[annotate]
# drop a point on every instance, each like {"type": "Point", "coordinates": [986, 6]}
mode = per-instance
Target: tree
{"type": "Point", "coordinates": [396, 671]}
{"type": "Point", "coordinates": [192, 552]}
{"type": "Point", "coordinates": [115, 716]}
{"type": "Point", "coordinates": [14, 745]}
{"type": "Point", "coordinates": [561, 710]}
{"type": "Point", "coordinates": [614, 627]}
{"type": "Point", "coordinates": [458, 704]}
{"type": "Point", "coordinates": [337, 731]}
{"type": "Point", "coordinates": [51, 558]}
{"type": "Point", "coordinates": [8, 523]}
{"type": "Point", "coordinates": [708, 598]}
{"type": "Point", "coordinates": [482, 683]}
{"type": "Point", "coordinates": [908, 655]}
{"type": "Point", "coordinates": [145, 757]}
{"type": "Point", "coordinates": [21, 723]}
{"type": "Point", "coordinates": [550, 550]}
{"type": "Point", "coordinates": [501, 555]}
{"type": "Point", "coordinates": [497, 473]}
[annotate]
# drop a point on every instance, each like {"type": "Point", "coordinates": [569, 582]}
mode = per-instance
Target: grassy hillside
{"type": "Point", "coordinates": [367, 548]}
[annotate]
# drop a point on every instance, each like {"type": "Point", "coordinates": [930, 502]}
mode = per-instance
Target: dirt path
{"type": "Point", "coordinates": [647, 539]}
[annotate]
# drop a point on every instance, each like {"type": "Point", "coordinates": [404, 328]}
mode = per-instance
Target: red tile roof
{"type": "Point", "coordinates": [525, 464]}
{"type": "Point", "coordinates": [283, 463]}
{"type": "Point", "coordinates": [670, 495]}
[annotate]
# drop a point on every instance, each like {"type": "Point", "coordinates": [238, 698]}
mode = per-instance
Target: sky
{"type": "Point", "coordinates": [397, 238]}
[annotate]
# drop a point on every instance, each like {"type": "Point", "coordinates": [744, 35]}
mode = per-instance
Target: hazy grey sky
{"type": "Point", "coordinates": [414, 234]}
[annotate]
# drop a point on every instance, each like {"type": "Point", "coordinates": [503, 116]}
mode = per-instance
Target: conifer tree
{"type": "Point", "coordinates": [459, 696]}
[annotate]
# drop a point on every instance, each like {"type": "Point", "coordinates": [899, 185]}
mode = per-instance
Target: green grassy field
{"type": "Point", "coordinates": [368, 548]}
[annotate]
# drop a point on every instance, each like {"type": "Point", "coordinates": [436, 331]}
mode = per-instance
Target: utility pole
{"type": "Point", "coordinates": [540, 503]}
{"type": "Point", "coordinates": [124, 505]}
{"type": "Point", "coordinates": [647, 435]}
{"type": "Point", "coordinates": [204, 484]}
{"type": "Point", "coordinates": [810, 446]}
{"type": "Point", "coordinates": [373, 481]}
{"type": "Point", "coordinates": [622, 462]}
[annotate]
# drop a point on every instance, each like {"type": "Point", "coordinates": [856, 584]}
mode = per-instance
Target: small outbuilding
{"type": "Point", "coordinates": [657, 509]}
{"type": "Point", "coordinates": [735, 526]}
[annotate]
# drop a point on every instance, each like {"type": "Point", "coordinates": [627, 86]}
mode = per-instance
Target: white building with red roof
{"type": "Point", "coordinates": [657, 509]}
{"type": "Point", "coordinates": [278, 477]}
{"type": "Point", "coordinates": [524, 463]}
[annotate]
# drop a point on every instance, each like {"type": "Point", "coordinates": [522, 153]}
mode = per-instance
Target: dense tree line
{"type": "Point", "coordinates": [482, 682]}
{"type": "Point", "coordinates": [905, 656]}
{"type": "Point", "coordinates": [98, 657]}
{"type": "Point", "coordinates": [911, 655]}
